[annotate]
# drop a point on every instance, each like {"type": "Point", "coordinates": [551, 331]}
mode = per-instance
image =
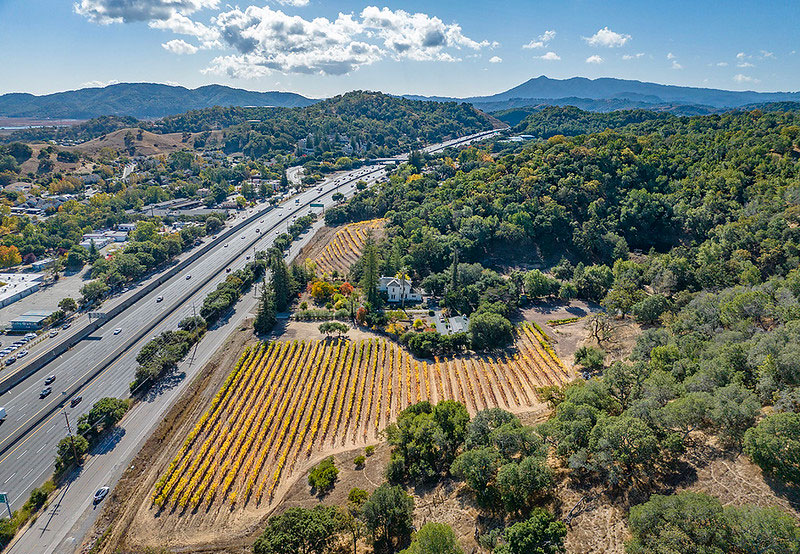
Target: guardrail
{"type": "Point", "coordinates": [44, 358]}
{"type": "Point", "coordinates": [43, 413]}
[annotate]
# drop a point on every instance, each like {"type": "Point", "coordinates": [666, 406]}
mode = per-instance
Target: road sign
{"type": "Point", "coordinates": [3, 497]}
{"type": "Point", "coordinates": [317, 205]}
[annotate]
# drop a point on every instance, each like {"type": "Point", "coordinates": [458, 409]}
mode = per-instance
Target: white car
{"type": "Point", "coordinates": [226, 245]}
{"type": "Point", "coordinates": [53, 333]}
{"type": "Point", "coordinates": [188, 277]}
{"type": "Point", "coordinates": [100, 494]}
{"type": "Point", "coordinates": [118, 330]}
{"type": "Point", "coordinates": [22, 354]}
{"type": "Point", "coordinates": [30, 336]}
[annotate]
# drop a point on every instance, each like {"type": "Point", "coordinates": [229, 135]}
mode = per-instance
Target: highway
{"type": "Point", "coordinates": [104, 364]}
{"type": "Point", "coordinates": [113, 354]}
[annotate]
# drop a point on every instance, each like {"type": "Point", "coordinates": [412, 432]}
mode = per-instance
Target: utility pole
{"type": "Point", "coordinates": [69, 430]}
{"type": "Point", "coordinates": [194, 328]}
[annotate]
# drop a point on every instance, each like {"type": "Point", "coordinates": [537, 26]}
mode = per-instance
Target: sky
{"type": "Point", "coordinates": [462, 48]}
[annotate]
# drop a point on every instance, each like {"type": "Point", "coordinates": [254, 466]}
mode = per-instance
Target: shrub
{"type": "Point", "coordinates": [359, 461]}
{"type": "Point", "coordinates": [323, 476]}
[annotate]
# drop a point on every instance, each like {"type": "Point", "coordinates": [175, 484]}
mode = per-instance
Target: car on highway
{"type": "Point", "coordinates": [244, 237]}
{"type": "Point", "coordinates": [118, 330]}
{"type": "Point", "coordinates": [297, 201]}
{"type": "Point", "coordinates": [49, 379]}
{"type": "Point", "coordinates": [75, 401]}
{"type": "Point", "coordinates": [53, 333]}
{"type": "Point", "coordinates": [188, 277]}
{"type": "Point", "coordinates": [258, 230]}
{"type": "Point", "coordinates": [227, 270]}
{"type": "Point", "coordinates": [22, 354]}
{"type": "Point", "coordinates": [159, 299]}
{"type": "Point", "coordinates": [11, 360]}
{"type": "Point", "coordinates": [226, 245]}
{"type": "Point", "coordinates": [101, 493]}
{"type": "Point", "coordinates": [66, 325]}
{"type": "Point", "coordinates": [45, 392]}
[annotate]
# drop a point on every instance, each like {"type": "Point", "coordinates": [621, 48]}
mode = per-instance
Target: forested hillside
{"type": "Point", "coordinates": [373, 123]}
{"type": "Point", "coordinates": [688, 226]}
{"type": "Point", "coordinates": [570, 121]}
{"type": "Point", "coordinates": [370, 123]}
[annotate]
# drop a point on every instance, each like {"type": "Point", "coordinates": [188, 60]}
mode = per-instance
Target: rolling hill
{"type": "Point", "coordinates": [607, 94]}
{"type": "Point", "coordinates": [140, 100]}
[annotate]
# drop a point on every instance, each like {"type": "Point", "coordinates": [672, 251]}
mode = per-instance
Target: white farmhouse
{"type": "Point", "coordinates": [398, 289]}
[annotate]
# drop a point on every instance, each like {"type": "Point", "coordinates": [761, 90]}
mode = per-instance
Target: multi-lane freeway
{"type": "Point", "coordinates": [105, 362]}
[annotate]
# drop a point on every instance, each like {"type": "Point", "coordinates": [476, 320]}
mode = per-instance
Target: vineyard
{"type": "Point", "coordinates": [286, 400]}
{"type": "Point", "coordinates": [344, 249]}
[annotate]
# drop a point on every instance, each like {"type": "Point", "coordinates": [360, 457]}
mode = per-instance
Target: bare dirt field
{"type": "Point", "coordinates": [149, 145]}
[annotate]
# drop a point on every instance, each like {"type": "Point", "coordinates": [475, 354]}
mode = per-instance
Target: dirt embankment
{"type": "Point", "coordinates": [136, 483]}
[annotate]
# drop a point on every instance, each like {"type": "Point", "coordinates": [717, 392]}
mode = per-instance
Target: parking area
{"type": "Point", "coordinates": [46, 298]}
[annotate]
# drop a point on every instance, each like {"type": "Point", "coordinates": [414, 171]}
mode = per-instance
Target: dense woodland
{"type": "Point", "coordinates": [689, 225]}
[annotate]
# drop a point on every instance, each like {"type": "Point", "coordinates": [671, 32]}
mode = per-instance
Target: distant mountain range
{"type": "Point", "coordinates": [140, 100]}
{"type": "Point", "coordinates": [608, 94]}
{"type": "Point", "coordinates": [149, 100]}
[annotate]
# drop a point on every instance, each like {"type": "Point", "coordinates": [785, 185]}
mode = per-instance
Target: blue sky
{"type": "Point", "coordinates": [448, 47]}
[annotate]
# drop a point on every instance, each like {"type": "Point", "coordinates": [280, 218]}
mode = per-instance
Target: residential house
{"type": "Point", "coordinates": [398, 289]}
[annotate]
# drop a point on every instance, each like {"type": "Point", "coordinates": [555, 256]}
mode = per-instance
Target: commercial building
{"type": "Point", "coordinates": [29, 321]}
{"type": "Point", "coordinates": [14, 286]}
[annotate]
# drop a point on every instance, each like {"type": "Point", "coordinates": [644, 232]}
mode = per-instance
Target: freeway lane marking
{"type": "Point", "coordinates": [275, 227]}
{"type": "Point", "coordinates": [4, 458]}
{"type": "Point", "coordinates": [9, 479]}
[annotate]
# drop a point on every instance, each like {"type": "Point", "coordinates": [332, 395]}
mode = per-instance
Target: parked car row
{"type": "Point", "coordinates": [8, 351]}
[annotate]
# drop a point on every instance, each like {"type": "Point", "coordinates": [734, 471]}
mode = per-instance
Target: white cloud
{"type": "Point", "coordinates": [495, 59]}
{"type": "Point", "coordinates": [739, 78]}
{"type": "Point", "coordinates": [745, 64]}
{"type": "Point", "coordinates": [179, 46]}
{"type": "Point", "coordinates": [633, 56]}
{"type": "Point", "coordinates": [765, 54]}
{"type": "Point", "coordinates": [542, 40]}
{"type": "Point", "coordinates": [182, 25]}
{"type": "Point", "coordinates": [671, 56]}
{"type": "Point", "coordinates": [607, 37]}
{"type": "Point", "coordinates": [99, 84]}
{"type": "Point", "coordinates": [676, 65]}
{"type": "Point", "coordinates": [549, 57]}
{"type": "Point", "coordinates": [741, 56]}
{"type": "Point", "coordinates": [594, 59]}
{"type": "Point", "coordinates": [268, 39]}
{"type": "Point", "coordinates": [722, 64]}
{"type": "Point", "coordinates": [126, 11]}
{"type": "Point", "coordinates": [265, 39]}
{"type": "Point", "coordinates": [416, 36]}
